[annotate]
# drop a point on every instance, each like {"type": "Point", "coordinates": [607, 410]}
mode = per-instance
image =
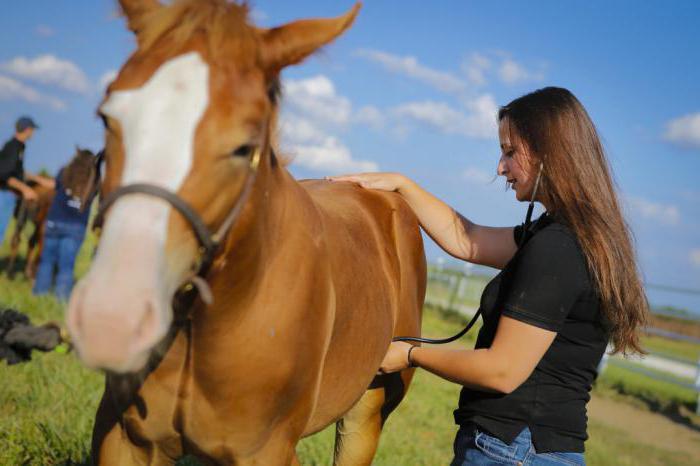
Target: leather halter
{"type": "Point", "coordinates": [208, 243]}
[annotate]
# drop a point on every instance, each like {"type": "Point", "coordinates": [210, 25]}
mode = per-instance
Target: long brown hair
{"type": "Point", "coordinates": [577, 187]}
{"type": "Point", "coordinates": [80, 175]}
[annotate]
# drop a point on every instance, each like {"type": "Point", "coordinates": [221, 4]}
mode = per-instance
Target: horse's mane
{"type": "Point", "coordinates": [223, 24]}
{"type": "Point", "coordinates": [228, 35]}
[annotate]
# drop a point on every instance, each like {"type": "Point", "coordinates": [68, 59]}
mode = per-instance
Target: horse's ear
{"type": "Point", "coordinates": [135, 10]}
{"type": "Point", "coordinates": [291, 43]}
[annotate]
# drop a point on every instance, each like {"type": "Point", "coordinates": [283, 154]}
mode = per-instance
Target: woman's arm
{"type": "Point", "coordinates": [458, 236]}
{"type": "Point", "coordinates": [516, 350]}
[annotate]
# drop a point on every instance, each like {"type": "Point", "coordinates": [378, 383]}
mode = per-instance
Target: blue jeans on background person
{"type": "Point", "coordinates": [62, 242]}
{"type": "Point", "coordinates": [473, 447]}
{"type": "Point", "coordinates": [7, 206]}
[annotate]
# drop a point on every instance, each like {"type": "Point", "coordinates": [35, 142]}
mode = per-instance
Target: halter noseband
{"type": "Point", "coordinates": [208, 243]}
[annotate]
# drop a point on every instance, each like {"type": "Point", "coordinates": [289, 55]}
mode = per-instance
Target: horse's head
{"type": "Point", "coordinates": [187, 113]}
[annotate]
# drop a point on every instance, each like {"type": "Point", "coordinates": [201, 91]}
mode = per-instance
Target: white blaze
{"type": "Point", "coordinates": [158, 122]}
{"type": "Point", "coordinates": [121, 308]}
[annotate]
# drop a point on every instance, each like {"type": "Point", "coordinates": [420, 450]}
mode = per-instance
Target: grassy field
{"type": "Point", "coordinates": [47, 406]}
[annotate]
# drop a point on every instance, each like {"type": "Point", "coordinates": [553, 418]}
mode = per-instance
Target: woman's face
{"type": "Point", "coordinates": [515, 163]}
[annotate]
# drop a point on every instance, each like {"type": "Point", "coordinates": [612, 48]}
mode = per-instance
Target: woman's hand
{"type": "Point", "coordinates": [379, 181]}
{"type": "Point", "coordinates": [396, 358]}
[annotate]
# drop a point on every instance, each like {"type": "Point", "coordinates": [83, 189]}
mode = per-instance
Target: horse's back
{"type": "Point", "coordinates": [372, 238]}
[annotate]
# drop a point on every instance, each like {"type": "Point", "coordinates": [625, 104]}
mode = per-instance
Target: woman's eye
{"type": "Point", "coordinates": [243, 151]}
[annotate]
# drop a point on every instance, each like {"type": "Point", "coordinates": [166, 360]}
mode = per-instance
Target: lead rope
{"type": "Point", "coordinates": [528, 221]}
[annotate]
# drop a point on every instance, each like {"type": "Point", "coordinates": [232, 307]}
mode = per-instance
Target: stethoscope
{"type": "Point", "coordinates": [521, 242]}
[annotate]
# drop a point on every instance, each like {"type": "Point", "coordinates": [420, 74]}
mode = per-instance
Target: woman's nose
{"type": "Point", "coordinates": [501, 169]}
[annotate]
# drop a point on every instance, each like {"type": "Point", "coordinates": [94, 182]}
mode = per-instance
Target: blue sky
{"type": "Point", "coordinates": [413, 87]}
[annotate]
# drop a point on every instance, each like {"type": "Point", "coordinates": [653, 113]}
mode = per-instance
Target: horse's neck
{"type": "Point", "coordinates": [280, 214]}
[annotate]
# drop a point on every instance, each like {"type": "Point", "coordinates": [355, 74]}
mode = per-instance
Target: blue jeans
{"type": "Point", "coordinates": [61, 245]}
{"type": "Point", "coordinates": [7, 206]}
{"type": "Point", "coordinates": [473, 447]}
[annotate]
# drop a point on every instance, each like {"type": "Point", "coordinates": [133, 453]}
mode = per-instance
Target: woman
{"type": "Point", "coordinates": [66, 223]}
{"type": "Point", "coordinates": [568, 285]}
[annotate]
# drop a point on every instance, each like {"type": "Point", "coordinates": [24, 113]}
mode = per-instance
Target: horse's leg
{"type": "Point", "coordinates": [14, 249]}
{"type": "Point", "coordinates": [357, 433]}
{"type": "Point", "coordinates": [31, 252]}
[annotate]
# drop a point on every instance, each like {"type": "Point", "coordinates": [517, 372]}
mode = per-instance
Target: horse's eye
{"type": "Point", "coordinates": [243, 151]}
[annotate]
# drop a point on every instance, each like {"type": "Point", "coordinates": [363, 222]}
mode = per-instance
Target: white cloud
{"type": "Point", "coordinates": [330, 156]}
{"type": "Point", "coordinates": [684, 131]}
{"type": "Point", "coordinates": [258, 15]}
{"type": "Point", "coordinates": [480, 122]}
{"type": "Point", "coordinates": [692, 196]}
{"type": "Point", "coordinates": [475, 69]}
{"type": "Point", "coordinates": [106, 79]}
{"type": "Point", "coordinates": [13, 89]}
{"type": "Point", "coordinates": [512, 72]}
{"type": "Point", "coordinates": [370, 116]}
{"type": "Point", "coordinates": [316, 98]}
{"type": "Point", "coordinates": [313, 148]}
{"type": "Point", "coordinates": [313, 111]}
{"type": "Point", "coordinates": [297, 130]}
{"type": "Point", "coordinates": [44, 30]}
{"type": "Point", "coordinates": [665, 213]}
{"type": "Point", "coordinates": [695, 257]}
{"type": "Point", "coordinates": [48, 69]}
{"type": "Point", "coordinates": [409, 66]}
{"type": "Point", "coordinates": [477, 176]}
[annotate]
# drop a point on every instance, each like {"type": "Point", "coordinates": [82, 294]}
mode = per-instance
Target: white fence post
{"type": "Point", "coordinates": [697, 388]}
{"type": "Point", "coordinates": [604, 360]}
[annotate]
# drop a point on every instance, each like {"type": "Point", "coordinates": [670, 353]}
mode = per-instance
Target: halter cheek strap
{"type": "Point", "coordinates": [209, 243]}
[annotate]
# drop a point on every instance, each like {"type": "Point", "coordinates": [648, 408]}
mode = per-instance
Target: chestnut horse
{"type": "Point", "coordinates": [309, 285]}
{"type": "Point", "coordinates": [34, 212]}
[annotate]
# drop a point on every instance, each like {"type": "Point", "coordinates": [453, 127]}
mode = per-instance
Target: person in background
{"type": "Point", "coordinates": [13, 178]}
{"type": "Point", "coordinates": [66, 223]}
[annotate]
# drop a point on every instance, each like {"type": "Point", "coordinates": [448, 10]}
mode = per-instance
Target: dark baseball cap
{"type": "Point", "coordinates": [25, 122]}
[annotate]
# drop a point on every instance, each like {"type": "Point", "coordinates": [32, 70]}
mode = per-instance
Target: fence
{"type": "Point", "coordinates": [460, 290]}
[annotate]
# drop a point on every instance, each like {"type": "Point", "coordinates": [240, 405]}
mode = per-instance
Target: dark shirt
{"type": "Point", "coordinates": [546, 284]}
{"type": "Point", "coordinates": [11, 162]}
{"type": "Point", "coordinates": [67, 209]}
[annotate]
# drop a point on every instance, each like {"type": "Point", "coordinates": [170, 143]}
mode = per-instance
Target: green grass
{"type": "Point", "coordinates": [47, 406]}
{"type": "Point", "coordinates": [681, 349]}
{"type": "Point", "coordinates": [610, 446]}
{"type": "Point", "coordinates": [657, 395]}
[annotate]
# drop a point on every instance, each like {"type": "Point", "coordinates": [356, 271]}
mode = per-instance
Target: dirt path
{"type": "Point", "coordinates": [645, 426]}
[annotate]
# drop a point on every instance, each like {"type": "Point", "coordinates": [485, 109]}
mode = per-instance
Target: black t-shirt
{"type": "Point", "coordinates": [11, 161]}
{"type": "Point", "coordinates": [546, 284]}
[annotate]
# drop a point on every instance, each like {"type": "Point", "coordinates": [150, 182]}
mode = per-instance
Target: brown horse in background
{"type": "Point", "coordinates": [310, 284]}
{"type": "Point", "coordinates": [33, 212]}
